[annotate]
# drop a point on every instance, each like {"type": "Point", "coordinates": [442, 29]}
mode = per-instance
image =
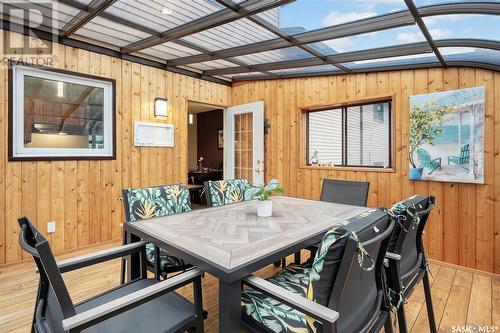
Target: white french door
{"type": "Point", "coordinates": [244, 142]}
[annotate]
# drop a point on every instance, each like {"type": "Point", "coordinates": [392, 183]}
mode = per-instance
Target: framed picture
{"type": "Point", "coordinates": [220, 138]}
{"type": "Point", "coordinates": [447, 136]}
{"type": "Point", "coordinates": [60, 115]}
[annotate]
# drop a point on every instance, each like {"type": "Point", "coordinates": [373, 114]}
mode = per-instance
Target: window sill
{"type": "Point", "coordinates": [382, 170]}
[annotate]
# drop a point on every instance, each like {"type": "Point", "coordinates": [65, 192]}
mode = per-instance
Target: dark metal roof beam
{"type": "Point", "coordinates": [117, 19]}
{"type": "Point", "coordinates": [94, 8]}
{"type": "Point", "coordinates": [384, 52]}
{"type": "Point", "coordinates": [280, 33]}
{"type": "Point", "coordinates": [5, 24]}
{"type": "Point", "coordinates": [423, 28]}
{"type": "Point", "coordinates": [249, 7]}
{"type": "Point", "coordinates": [392, 20]}
{"type": "Point", "coordinates": [474, 64]}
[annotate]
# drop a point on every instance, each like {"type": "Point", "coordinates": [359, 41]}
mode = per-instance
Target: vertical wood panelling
{"type": "Point", "coordinates": [464, 228]}
{"type": "Point", "coordinates": [81, 196]}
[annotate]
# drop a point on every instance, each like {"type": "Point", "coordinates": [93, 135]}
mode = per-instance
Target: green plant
{"type": "Point", "coordinates": [264, 192]}
{"type": "Point", "coordinates": [425, 125]}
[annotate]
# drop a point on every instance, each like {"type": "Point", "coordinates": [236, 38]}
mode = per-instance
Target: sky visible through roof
{"type": "Point", "coordinates": [309, 15]}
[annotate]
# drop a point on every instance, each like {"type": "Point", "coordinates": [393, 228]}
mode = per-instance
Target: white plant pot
{"type": "Point", "coordinates": [264, 208]}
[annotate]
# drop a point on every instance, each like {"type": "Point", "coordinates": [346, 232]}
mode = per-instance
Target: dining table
{"type": "Point", "coordinates": [231, 242]}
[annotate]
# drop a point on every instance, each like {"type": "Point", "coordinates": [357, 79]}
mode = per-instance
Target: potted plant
{"type": "Point", "coordinates": [263, 194]}
{"type": "Point", "coordinates": [425, 125]}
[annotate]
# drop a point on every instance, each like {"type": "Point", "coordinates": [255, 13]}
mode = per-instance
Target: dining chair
{"type": "Point", "coordinates": [145, 203]}
{"type": "Point", "coordinates": [345, 192]}
{"type": "Point", "coordinates": [408, 266]}
{"type": "Point", "coordinates": [226, 191]}
{"type": "Point", "coordinates": [341, 290]}
{"type": "Point", "coordinates": [142, 305]}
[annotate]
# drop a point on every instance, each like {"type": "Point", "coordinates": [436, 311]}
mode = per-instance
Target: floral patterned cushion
{"type": "Point", "coordinates": [145, 203]}
{"type": "Point", "coordinates": [265, 311]}
{"type": "Point", "coordinates": [228, 191]}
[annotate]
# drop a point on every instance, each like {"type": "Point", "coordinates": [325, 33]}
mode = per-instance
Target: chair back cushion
{"type": "Point", "coordinates": [227, 191]}
{"type": "Point", "coordinates": [412, 215]}
{"type": "Point", "coordinates": [345, 192]}
{"type": "Point", "coordinates": [346, 276]}
{"type": "Point", "coordinates": [149, 202]}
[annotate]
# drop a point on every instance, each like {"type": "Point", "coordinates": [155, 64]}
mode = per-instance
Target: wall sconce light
{"type": "Point", "coordinates": [191, 119]}
{"type": "Point", "coordinates": [161, 108]}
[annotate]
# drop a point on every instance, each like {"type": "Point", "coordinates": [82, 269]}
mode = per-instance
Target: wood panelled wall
{"type": "Point", "coordinates": [464, 228]}
{"type": "Point", "coordinates": [81, 196]}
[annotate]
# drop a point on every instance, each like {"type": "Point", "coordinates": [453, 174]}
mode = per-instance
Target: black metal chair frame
{"type": "Point", "coordinates": [362, 185]}
{"type": "Point", "coordinates": [155, 269]}
{"type": "Point", "coordinates": [417, 273]}
{"type": "Point", "coordinates": [50, 272]}
{"type": "Point", "coordinates": [328, 315]}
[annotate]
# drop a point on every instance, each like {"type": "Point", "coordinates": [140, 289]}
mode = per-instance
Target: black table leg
{"type": "Point", "coordinates": [229, 306]}
{"type": "Point", "coordinates": [134, 261]}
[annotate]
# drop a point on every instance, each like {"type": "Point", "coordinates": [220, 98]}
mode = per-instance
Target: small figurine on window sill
{"type": "Point", "coordinates": [314, 158]}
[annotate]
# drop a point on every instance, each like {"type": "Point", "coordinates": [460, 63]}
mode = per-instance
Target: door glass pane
{"type": "Point", "coordinates": [243, 146]}
{"type": "Point", "coordinates": [59, 114]}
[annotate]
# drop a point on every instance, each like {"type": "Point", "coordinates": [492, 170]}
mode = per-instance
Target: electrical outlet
{"type": "Point", "coordinates": [51, 227]}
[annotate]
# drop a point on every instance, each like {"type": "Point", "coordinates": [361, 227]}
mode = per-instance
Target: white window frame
{"type": "Point", "coordinates": [17, 151]}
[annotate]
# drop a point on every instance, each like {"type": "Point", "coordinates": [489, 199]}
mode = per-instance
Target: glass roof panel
{"type": "Point", "coordinates": [393, 61]}
{"type": "Point", "coordinates": [470, 54]}
{"type": "Point", "coordinates": [306, 70]}
{"type": "Point", "coordinates": [389, 37]}
{"type": "Point", "coordinates": [464, 26]}
{"type": "Point", "coordinates": [168, 51]}
{"type": "Point", "coordinates": [110, 32]}
{"type": "Point", "coordinates": [163, 15]}
{"type": "Point", "coordinates": [236, 33]}
{"type": "Point", "coordinates": [289, 53]}
{"type": "Point", "coordinates": [306, 15]}
{"type": "Point", "coordinates": [214, 64]}
{"type": "Point", "coordinates": [42, 14]}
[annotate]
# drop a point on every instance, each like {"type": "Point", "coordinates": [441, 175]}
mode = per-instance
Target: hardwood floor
{"type": "Point", "coordinates": [460, 296]}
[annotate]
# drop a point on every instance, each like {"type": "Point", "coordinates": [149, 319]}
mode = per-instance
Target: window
{"type": "Point", "coordinates": [353, 136]}
{"type": "Point", "coordinates": [57, 115]}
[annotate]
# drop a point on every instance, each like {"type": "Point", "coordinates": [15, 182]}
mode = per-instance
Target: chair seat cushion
{"type": "Point", "coordinates": [162, 314]}
{"type": "Point", "coordinates": [168, 262]}
{"type": "Point", "coordinates": [270, 314]}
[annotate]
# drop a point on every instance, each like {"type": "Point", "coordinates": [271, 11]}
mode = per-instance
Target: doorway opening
{"type": "Point", "coordinates": [205, 148]}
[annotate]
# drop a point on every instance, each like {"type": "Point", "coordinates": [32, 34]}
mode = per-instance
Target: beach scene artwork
{"type": "Point", "coordinates": [446, 136]}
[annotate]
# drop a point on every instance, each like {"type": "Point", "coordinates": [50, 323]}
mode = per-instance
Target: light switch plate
{"type": "Point", "coordinates": [51, 227]}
